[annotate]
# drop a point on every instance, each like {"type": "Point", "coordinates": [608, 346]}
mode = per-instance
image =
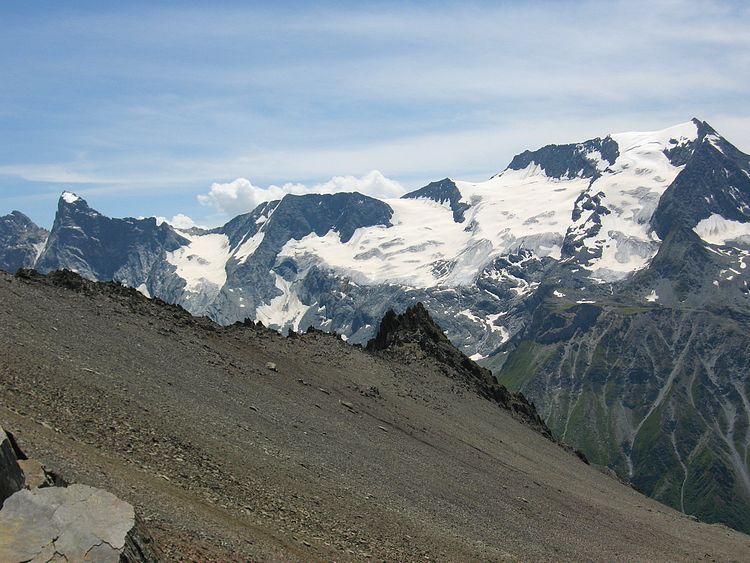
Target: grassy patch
{"type": "Point", "coordinates": [520, 366]}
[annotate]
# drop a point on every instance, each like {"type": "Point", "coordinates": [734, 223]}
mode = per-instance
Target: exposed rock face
{"type": "Point", "coordinates": [130, 250]}
{"type": "Point", "coordinates": [21, 241]}
{"type": "Point", "coordinates": [400, 333]}
{"type": "Point", "coordinates": [565, 161]}
{"type": "Point", "coordinates": [444, 191]}
{"type": "Point", "coordinates": [11, 475]}
{"type": "Point", "coordinates": [714, 180]}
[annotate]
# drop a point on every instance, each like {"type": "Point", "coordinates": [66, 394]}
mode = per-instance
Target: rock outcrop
{"type": "Point", "coordinates": [42, 523]}
{"type": "Point", "coordinates": [415, 328]}
{"type": "Point", "coordinates": [11, 476]}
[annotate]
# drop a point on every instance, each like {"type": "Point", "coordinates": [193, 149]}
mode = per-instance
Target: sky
{"type": "Point", "coordinates": [200, 111]}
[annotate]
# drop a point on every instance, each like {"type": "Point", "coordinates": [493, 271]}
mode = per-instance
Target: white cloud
{"type": "Point", "coordinates": [241, 196]}
{"type": "Point", "coordinates": [179, 221]}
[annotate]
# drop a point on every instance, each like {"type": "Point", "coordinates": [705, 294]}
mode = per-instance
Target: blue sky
{"type": "Point", "coordinates": [142, 107]}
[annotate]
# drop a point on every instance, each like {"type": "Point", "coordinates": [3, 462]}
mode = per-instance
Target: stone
{"type": "Point", "coordinates": [11, 476]}
{"type": "Point", "coordinates": [74, 523]}
{"type": "Point", "coordinates": [34, 474]}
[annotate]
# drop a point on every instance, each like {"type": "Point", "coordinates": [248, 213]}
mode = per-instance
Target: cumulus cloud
{"type": "Point", "coordinates": [179, 221]}
{"type": "Point", "coordinates": [241, 196]}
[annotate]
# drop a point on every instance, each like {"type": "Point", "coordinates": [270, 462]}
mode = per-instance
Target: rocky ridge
{"type": "Point", "coordinates": [414, 331]}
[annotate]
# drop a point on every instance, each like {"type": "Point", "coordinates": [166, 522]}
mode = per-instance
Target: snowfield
{"type": "Point", "coordinates": [515, 210]}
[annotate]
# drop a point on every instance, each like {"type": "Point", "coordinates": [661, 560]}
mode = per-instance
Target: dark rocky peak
{"type": "Point", "coordinates": [415, 328]}
{"type": "Point", "coordinates": [707, 135]}
{"type": "Point", "coordinates": [344, 213]}
{"type": "Point", "coordinates": [84, 240]}
{"type": "Point", "coordinates": [442, 191]}
{"type": "Point", "coordinates": [415, 325]}
{"type": "Point", "coordinates": [69, 199]}
{"type": "Point", "coordinates": [679, 151]}
{"type": "Point", "coordinates": [19, 221]}
{"type": "Point", "coordinates": [715, 180]}
{"type": "Point", "coordinates": [569, 161]}
{"type": "Point", "coordinates": [295, 217]}
{"type": "Point", "coordinates": [21, 241]}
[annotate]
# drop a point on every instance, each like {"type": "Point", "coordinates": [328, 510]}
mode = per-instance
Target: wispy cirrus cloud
{"type": "Point", "coordinates": [169, 100]}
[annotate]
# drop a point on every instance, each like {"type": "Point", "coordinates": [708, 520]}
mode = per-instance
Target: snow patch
{"type": "Point", "coordinates": [142, 289]}
{"type": "Point", "coordinates": [39, 248]}
{"type": "Point", "coordinates": [652, 297]}
{"type": "Point", "coordinates": [70, 197]}
{"type": "Point", "coordinates": [282, 309]}
{"type": "Point", "coordinates": [422, 234]}
{"type": "Point", "coordinates": [248, 247]}
{"type": "Point", "coordinates": [718, 230]}
{"type": "Point", "coordinates": [714, 140]}
{"type": "Point", "coordinates": [202, 263]}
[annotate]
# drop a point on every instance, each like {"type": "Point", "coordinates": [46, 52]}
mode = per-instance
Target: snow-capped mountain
{"type": "Point", "coordinates": [600, 208]}
{"type": "Point", "coordinates": [336, 262]}
{"type": "Point", "coordinates": [607, 280]}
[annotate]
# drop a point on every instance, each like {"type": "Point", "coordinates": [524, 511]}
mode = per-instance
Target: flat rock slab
{"type": "Point", "coordinates": [75, 523]}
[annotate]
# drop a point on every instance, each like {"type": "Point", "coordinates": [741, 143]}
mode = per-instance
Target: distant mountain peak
{"type": "Point", "coordinates": [582, 160]}
{"type": "Point", "coordinates": [443, 191]}
{"type": "Point", "coordinates": [21, 241]}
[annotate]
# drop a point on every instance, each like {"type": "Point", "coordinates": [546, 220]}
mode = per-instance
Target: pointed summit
{"type": "Point", "coordinates": [443, 191]}
{"type": "Point", "coordinates": [69, 197]}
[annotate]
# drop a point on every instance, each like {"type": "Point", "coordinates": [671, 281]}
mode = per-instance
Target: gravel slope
{"type": "Point", "coordinates": [337, 455]}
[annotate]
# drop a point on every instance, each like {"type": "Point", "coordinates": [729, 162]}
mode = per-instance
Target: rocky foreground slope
{"type": "Point", "coordinates": [237, 443]}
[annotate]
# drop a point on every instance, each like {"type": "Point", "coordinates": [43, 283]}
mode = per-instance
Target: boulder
{"type": "Point", "coordinates": [75, 523]}
{"type": "Point", "coordinates": [34, 474]}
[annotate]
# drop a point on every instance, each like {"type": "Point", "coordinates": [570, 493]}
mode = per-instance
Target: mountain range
{"type": "Point", "coordinates": [606, 280]}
